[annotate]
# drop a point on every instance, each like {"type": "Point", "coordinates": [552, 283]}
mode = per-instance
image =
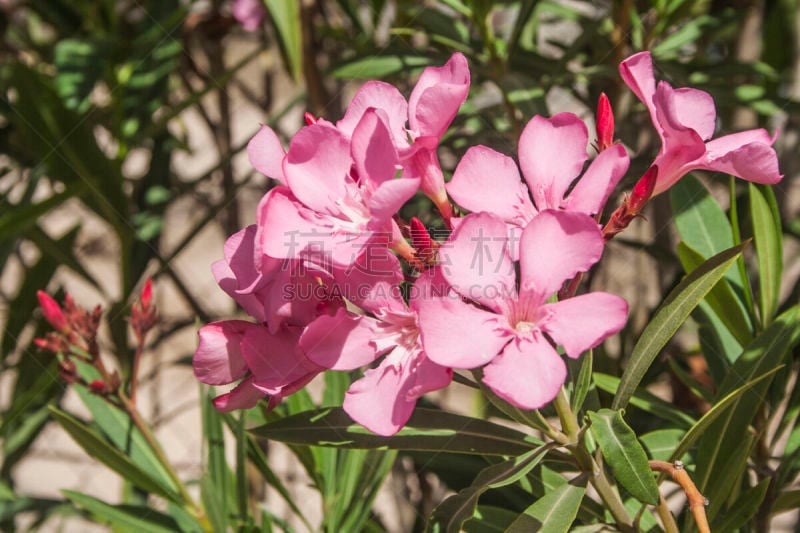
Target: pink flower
{"type": "Point", "coordinates": [249, 13]}
{"type": "Point", "coordinates": [685, 119]}
{"type": "Point", "coordinates": [510, 330]}
{"type": "Point", "coordinates": [431, 107]}
{"type": "Point", "coordinates": [485, 180]}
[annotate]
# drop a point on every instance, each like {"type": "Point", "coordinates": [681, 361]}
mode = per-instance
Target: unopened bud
{"type": "Point", "coordinates": [309, 118]}
{"type": "Point", "coordinates": [97, 387]}
{"type": "Point", "coordinates": [643, 190]}
{"type": "Point", "coordinates": [147, 293]}
{"type": "Point", "coordinates": [52, 311]}
{"type": "Point", "coordinates": [421, 241]}
{"type": "Point", "coordinates": [604, 123]}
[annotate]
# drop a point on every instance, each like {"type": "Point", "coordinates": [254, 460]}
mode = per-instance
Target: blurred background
{"type": "Point", "coordinates": [123, 127]}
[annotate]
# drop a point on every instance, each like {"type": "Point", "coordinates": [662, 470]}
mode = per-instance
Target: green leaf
{"type": "Point", "coordinates": [763, 355]}
{"type": "Point", "coordinates": [79, 65]}
{"type": "Point", "coordinates": [719, 408]}
{"type": "Point", "coordinates": [582, 383]}
{"type": "Point", "coordinates": [427, 429]}
{"type": "Point", "coordinates": [379, 66]}
{"type": "Point", "coordinates": [744, 508]}
{"type": "Point", "coordinates": [646, 401]}
{"type": "Point", "coordinates": [489, 519]}
{"type": "Point", "coordinates": [668, 318]}
{"type": "Point", "coordinates": [786, 501]}
{"type": "Point", "coordinates": [553, 513]}
{"type": "Point", "coordinates": [721, 299]}
{"type": "Point", "coordinates": [215, 487]}
{"type": "Point", "coordinates": [455, 510]}
{"type": "Point", "coordinates": [285, 17]}
{"type": "Point", "coordinates": [624, 454]}
{"type": "Point", "coordinates": [124, 518]}
{"type": "Point", "coordinates": [661, 442]}
{"type": "Point", "coordinates": [14, 221]}
{"type": "Point", "coordinates": [97, 447]}
{"type": "Point", "coordinates": [769, 248]}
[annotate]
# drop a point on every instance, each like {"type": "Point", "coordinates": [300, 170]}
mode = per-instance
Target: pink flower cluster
{"type": "Point", "coordinates": [320, 271]}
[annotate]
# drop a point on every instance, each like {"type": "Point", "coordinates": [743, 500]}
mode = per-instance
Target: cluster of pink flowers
{"type": "Point", "coordinates": [321, 271]}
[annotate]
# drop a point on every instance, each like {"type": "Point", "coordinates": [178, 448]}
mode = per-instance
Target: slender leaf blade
{"type": "Point", "coordinates": [554, 512]}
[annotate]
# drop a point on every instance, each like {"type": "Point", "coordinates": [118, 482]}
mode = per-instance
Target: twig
{"type": "Point", "coordinates": [697, 502]}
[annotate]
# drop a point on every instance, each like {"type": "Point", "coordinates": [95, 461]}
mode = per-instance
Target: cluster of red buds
{"type": "Point", "coordinates": [74, 337]}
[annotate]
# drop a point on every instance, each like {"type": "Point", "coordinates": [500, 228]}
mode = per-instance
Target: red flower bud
{"type": "Point", "coordinates": [421, 241]}
{"type": "Point", "coordinates": [310, 119]}
{"type": "Point", "coordinates": [643, 190]}
{"type": "Point", "coordinates": [97, 387]}
{"type": "Point", "coordinates": [52, 311]}
{"type": "Point", "coordinates": [604, 123]}
{"type": "Point", "coordinates": [147, 293]}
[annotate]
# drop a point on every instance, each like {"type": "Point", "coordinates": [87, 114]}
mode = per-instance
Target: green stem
{"type": "Point", "coordinates": [569, 422]}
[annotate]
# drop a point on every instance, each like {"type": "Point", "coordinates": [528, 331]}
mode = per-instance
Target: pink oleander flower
{"type": "Point", "coordinates": [552, 153]}
{"type": "Point", "coordinates": [685, 119]}
{"type": "Point", "coordinates": [248, 13]}
{"type": "Point", "coordinates": [487, 320]}
{"type": "Point", "coordinates": [414, 127]}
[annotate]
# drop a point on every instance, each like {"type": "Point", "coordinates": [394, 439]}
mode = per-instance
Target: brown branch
{"type": "Point", "coordinates": [697, 502]}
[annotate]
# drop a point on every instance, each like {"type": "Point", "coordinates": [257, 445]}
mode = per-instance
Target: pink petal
{"type": "Point", "coordinates": [456, 334]}
{"type": "Point", "coordinates": [485, 180]}
{"type": "Point", "coordinates": [266, 153]}
{"type": "Point", "coordinates": [555, 246]}
{"type": "Point", "coordinates": [243, 396]}
{"type": "Point", "coordinates": [676, 134]}
{"type": "Point", "coordinates": [637, 73]}
{"type": "Point", "coordinates": [389, 197]}
{"type": "Point", "coordinates": [317, 165]}
{"type": "Point", "coordinates": [248, 13]}
{"type": "Point", "coordinates": [275, 359]}
{"type": "Point", "coordinates": [373, 281]}
{"type": "Point", "coordinates": [383, 400]}
{"type": "Point", "coordinates": [695, 109]}
{"type": "Point", "coordinates": [748, 155]}
{"type": "Point", "coordinates": [340, 342]}
{"type": "Point", "coordinates": [378, 95]}
{"type": "Point", "coordinates": [591, 192]}
{"type": "Point", "coordinates": [551, 155]}
{"type": "Point", "coordinates": [475, 261]}
{"type": "Point", "coordinates": [227, 281]}
{"type": "Point", "coordinates": [373, 149]}
{"type": "Point", "coordinates": [583, 322]}
{"type": "Point", "coordinates": [528, 374]}
{"type": "Point", "coordinates": [439, 93]}
{"type": "Point", "coordinates": [218, 359]}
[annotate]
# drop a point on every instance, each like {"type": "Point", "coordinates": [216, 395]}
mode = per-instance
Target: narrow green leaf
{"type": "Point", "coordinates": [765, 354]}
{"type": "Point", "coordinates": [582, 383]}
{"type": "Point", "coordinates": [624, 454]}
{"type": "Point", "coordinates": [373, 66]}
{"type": "Point", "coordinates": [721, 298]}
{"type": "Point", "coordinates": [427, 429]}
{"type": "Point", "coordinates": [786, 501]}
{"type": "Point", "coordinates": [215, 487]}
{"type": "Point", "coordinates": [668, 318]}
{"type": "Point", "coordinates": [553, 513]}
{"type": "Point", "coordinates": [15, 220]}
{"type": "Point", "coordinates": [769, 248]}
{"type": "Point", "coordinates": [646, 401]}
{"type": "Point", "coordinates": [124, 518]}
{"type": "Point", "coordinates": [489, 519]}
{"type": "Point", "coordinates": [661, 442]}
{"type": "Point", "coordinates": [719, 408]}
{"type": "Point", "coordinates": [744, 508]}
{"type": "Point", "coordinates": [285, 17]}
{"type": "Point", "coordinates": [449, 515]}
{"type": "Point", "coordinates": [97, 447]}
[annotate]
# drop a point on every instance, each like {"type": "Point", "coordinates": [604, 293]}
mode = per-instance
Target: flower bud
{"type": "Point", "coordinates": [309, 118]}
{"type": "Point", "coordinates": [147, 293]}
{"type": "Point", "coordinates": [421, 241]}
{"type": "Point", "coordinates": [643, 190]}
{"type": "Point", "coordinates": [52, 311]}
{"type": "Point", "coordinates": [604, 123]}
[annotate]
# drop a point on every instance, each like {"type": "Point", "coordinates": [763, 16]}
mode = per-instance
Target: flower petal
{"type": "Point", "coordinates": [486, 180]}
{"type": "Point", "coordinates": [383, 400]}
{"type": "Point", "coordinates": [243, 396]}
{"type": "Point", "coordinates": [695, 109]}
{"type": "Point", "coordinates": [584, 321]}
{"type": "Point", "coordinates": [218, 359]}
{"type": "Point", "coordinates": [555, 246]}
{"type": "Point", "coordinates": [439, 93]}
{"type": "Point", "coordinates": [373, 149]}
{"type": "Point", "coordinates": [475, 261]}
{"type": "Point", "coordinates": [528, 374]}
{"type": "Point", "coordinates": [748, 155]}
{"type": "Point", "coordinates": [456, 334]}
{"type": "Point", "coordinates": [378, 95]}
{"type": "Point", "coordinates": [591, 192]}
{"type": "Point", "coordinates": [266, 153]}
{"type": "Point", "coordinates": [549, 175]}
{"type": "Point", "coordinates": [637, 73]}
{"type": "Point", "coordinates": [389, 197]}
{"type": "Point", "coordinates": [275, 359]}
{"type": "Point", "coordinates": [316, 166]}
{"type": "Point", "coordinates": [341, 341]}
